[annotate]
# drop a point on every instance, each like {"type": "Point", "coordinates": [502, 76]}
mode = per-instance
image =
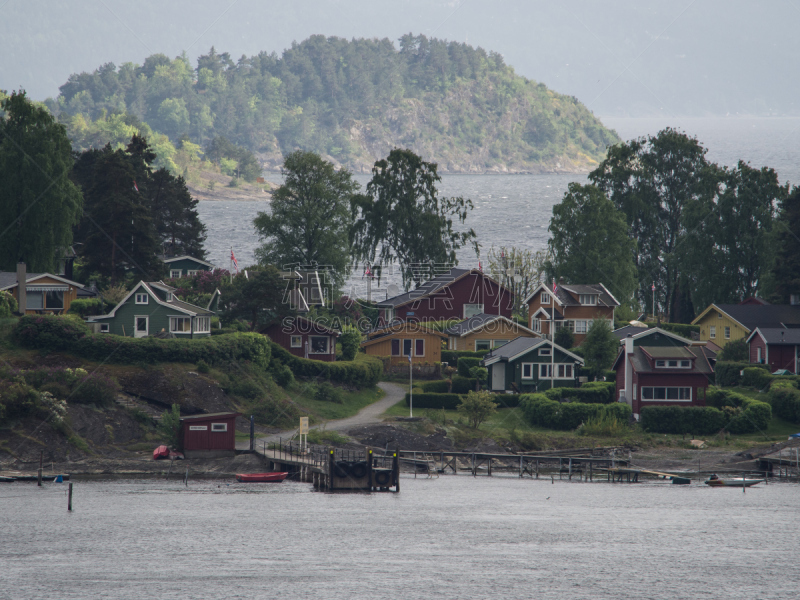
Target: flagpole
{"type": "Point", "coordinates": [230, 271]}
{"type": "Point", "coordinates": [410, 387]}
{"type": "Point", "coordinates": [552, 334]}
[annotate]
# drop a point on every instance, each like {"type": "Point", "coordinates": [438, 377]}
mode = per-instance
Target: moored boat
{"type": "Point", "coordinates": [741, 482]}
{"type": "Point", "coordinates": [276, 477]}
{"type": "Point", "coordinates": [161, 452]}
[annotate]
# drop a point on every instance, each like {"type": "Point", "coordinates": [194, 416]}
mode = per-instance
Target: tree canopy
{"type": "Point", "coordinates": [256, 297]}
{"type": "Point", "coordinates": [309, 219]}
{"type": "Point", "coordinates": [402, 219]}
{"type": "Point", "coordinates": [39, 204]}
{"type": "Point", "coordinates": [600, 347]}
{"type": "Point", "coordinates": [786, 272]}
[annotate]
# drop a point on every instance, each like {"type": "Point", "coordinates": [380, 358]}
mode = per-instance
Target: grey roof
{"type": "Point", "coordinates": [514, 347]}
{"type": "Point", "coordinates": [603, 297]}
{"type": "Point", "coordinates": [426, 288]}
{"type": "Point", "coordinates": [190, 307]}
{"type": "Point", "coordinates": [623, 332]}
{"type": "Point", "coordinates": [470, 324]}
{"type": "Point", "coordinates": [171, 259]}
{"type": "Point", "coordinates": [761, 316]}
{"type": "Point", "coordinates": [781, 335]}
{"type": "Point", "coordinates": [9, 278]}
{"type": "Point", "coordinates": [700, 365]}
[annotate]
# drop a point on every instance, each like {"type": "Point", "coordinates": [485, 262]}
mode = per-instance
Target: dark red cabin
{"type": "Point", "coordinates": [209, 436]}
{"type": "Point", "coordinates": [304, 338]}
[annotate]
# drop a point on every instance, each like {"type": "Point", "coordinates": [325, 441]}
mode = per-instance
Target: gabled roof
{"type": "Point", "coordinates": [211, 416]}
{"type": "Point", "coordinates": [187, 257]}
{"type": "Point", "coordinates": [179, 305]}
{"type": "Point", "coordinates": [641, 364]}
{"type": "Point", "coordinates": [434, 284]}
{"type": "Point", "coordinates": [750, 316]}
{"type": "Point", "coordinates": [519, 347]}
{"type": "Point", "coordinates": [382, 333]}
{"type": "Point", "coordinates": [8, 279]}
{"type": "Point", "coordinates": [478, 322]}
{"type": "Point", "coordinates": [623, 332]}
{"type": "Point", "coordinates": [563, 298]}
{"type": "Point", "coordinates": [545, 310]}
{"type": "Point", "coordinates": [777, 336]}
{"type": "Point", "coordinates": [643, 333]}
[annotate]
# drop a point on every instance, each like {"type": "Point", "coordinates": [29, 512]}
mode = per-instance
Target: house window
{"type": "Point", "coordinates": [319, 344]}
{"type": "Point", "coordinates": [192, 273]}
{"type": "Point", "coordinates": [713, 332]}
{"type": "Point", "coordinates": [297, 341]}
{"type": "Point", "coordinates": [498, 343]}
{"type": "Point", "coordinates": [537, 325]}
{"type": "Point", "coordinates": [169, 297]}
{"type": "Point", "coordinates": [587, 299]}
{"type": "Point", "coordinates": [545, 298]}
{"type": "Point", "coordinates": [719, 315]}
{"type": "Point", "coordinates": [673, 394]}
{"type": "Point", "coordinates": [564, 371]}
{"type": "Point", "coordinates": [406, 347]}
{"type": "Point", "coordinates": [470, 310]}
{"type": "Point", "coordinates": [180, 324]}
{"type": "Point", "coordinates": [219, 427]}
{"type": "Point", "coordinates": [661, 363]}
{"type": "Point", "coordinates": [758, 355]}
{"type": "Point", "coordinates": [104, 328]}
{"type": "Point", "coordinates": [544, 351]}
{"type": "Point", "coordinates": [395, 347]}
{"type": "Point", "coordinates": [54, 300]}
{"type": "Point", "coordinates": [545, 371]}
{"type": "Point", "coordinates": [141, 324]}
{"type": "Point", "coordinates": [175, 273]}
{"type": "Point", "coordinates": [580, 326]}
{"type": "Point", "coordinates": [685, 364]}
{"type": "Point", "coordinates": [483, 344]}
{"type": "Point", "coordinates": [672, 363]}
{"type": "Point", "coordinates": [34, 300]}
{"type": "Point", "coordinates": [202, 325]}
{"type": "Point", "coordinates": [142, 298]}
{"type": "Point", "coordinates": [419, 347]}
{"type": "Point", "coordinates": [727, 333]}
{"type": "Point", "coordinates": [527, 370]}
{"type": "Point", "coordinates": [569, 324]}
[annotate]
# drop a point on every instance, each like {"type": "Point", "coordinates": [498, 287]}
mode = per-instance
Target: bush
{"type": "Point", "coordinates": [507, 400]}
{"type": "Point", "coordinates": [95, 389]}
{"type": "Point", "coordinates": [596, 392]}
{"type": "Point", "coordinates": [282, 375]}
{"type": "Point", "coordinates": [785, 401]}
{"type": "Point", "coordinates": [697, 420]}
{"type": "Point", "coordinates": [735, 351]}
{"type": "Point", "coordinates": [478, 407]}
{"type": "Point", "coordinates": [466, 363]}
{"type": "Point", "coordinates": [564, 338]}
{"type": "Point", "coordinates": [451, 356]}
{"type": "Point", "coordinates": [328, 393]}
{"type": "Point", "coordinates": [351, 342]}
{"type": "Point", "coordinates": [169, 426]}
{"type": "Point", "coordinates": [727, 374]}
{"type": "Point", "coordinates": [61, 334]}
{"type": "Point", "coordinates": [755, 377]}
{"type": "Point", "coordinates": [603, 426]}
{"type": "Point", "coordinates": [428, 400]}
{"type": "Point", "coordinates": [363, 371]}
{"type": "Point", "coordinates": [544, 412]}
{"type": "Point", "coordinates": [463, 385]}
{"type": "Point", "coordinates": [86, 307]}
{"type": "Point", "coordinates": [8, 305]}
{"type": "Point", "coordinates": [440, 386]}
{"type": "Point", "coordinates": [203, 367]}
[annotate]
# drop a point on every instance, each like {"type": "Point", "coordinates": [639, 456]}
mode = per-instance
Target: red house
{"type": "Point", "coordinates": [304, 338]}
{"type": "Point", "coordinates": [208, 436]}
{"type": "Point", "coordinates": [656, 367]}
{"type": "Point", "coordinates": [457, 294]}
{"type": "Point", "coordinates": [778, 347]}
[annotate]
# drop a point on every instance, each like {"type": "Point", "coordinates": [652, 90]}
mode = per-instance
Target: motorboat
{"type": "Point", "coordinates": [276, 477]}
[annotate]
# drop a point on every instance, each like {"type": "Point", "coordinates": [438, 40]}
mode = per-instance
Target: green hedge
{"type": "Point", "coordinates": [595, 392]}
{"type": "Point", "coordinates": [785, 400]}
{"type": "Point", "coordinates": [551, 414]}
{"type": "Point", "coordinates": [506, 400]}
{"type": "Point", "coordinates": [451, 356]}
{"type": "Point", "coordinates": [755, 377]}
{"type": "Point", "coordinates": [727, 374]}
{"type": "Point", "coordinates": [465, 363]}
{"type": "Point", "coordinates": [462, 385]}
{"type": "Point", "coordinates": [681, 329]}
{"type": "Point", "coordinates": [699, 420]}
{"type": "Point", "coordinates": [426, 400]}
{"type": "Point", "coordinates": [64, 334]}
{"type": "Point", "coordinates": [362, 371]}
{"type": "Point", "coordinates": [438, 386]}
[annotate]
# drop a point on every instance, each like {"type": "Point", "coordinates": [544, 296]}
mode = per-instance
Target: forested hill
{"type": "Point", "coordinates": [351, 101]}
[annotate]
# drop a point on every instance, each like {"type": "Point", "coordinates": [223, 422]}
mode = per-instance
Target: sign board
{"type": "Point", "coordinates": [303, 425]}
{"type": "Point", "coordinates": [198, 427]}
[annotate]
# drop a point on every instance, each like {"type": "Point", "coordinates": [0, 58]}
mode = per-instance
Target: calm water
{"type": "Point", "coordinates": [515, 210]}
{"type": "Point", "coordinates": [452, 537]}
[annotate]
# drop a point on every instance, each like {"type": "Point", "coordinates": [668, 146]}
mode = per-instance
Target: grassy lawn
{"type": "Point", "coordinates": [303, 395]}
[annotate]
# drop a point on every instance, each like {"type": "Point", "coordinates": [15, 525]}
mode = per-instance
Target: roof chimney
{"type": "Point", "coordinates": [22, 296]}
{"type": "Point", "coordinates": [629, 344]}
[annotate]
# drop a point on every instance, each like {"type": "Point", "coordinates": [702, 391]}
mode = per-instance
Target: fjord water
{"type": "Point", "coordinates": [452, 537]}
{"type": "Point", "coordinates": [515, 210]}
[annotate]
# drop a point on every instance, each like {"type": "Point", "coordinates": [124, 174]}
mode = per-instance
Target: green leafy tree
{"type": "Point", "coordinates": [735, 351]}
{"type": "Point", "coordinates": [519, 270]}
{"type": "Point", "coordinates": [39, 204]}
{"type": "Point", "coordinates": [786, 273]}
{"type": "Point", "coordinates": [591, 242]}
{"type": "Point", "coordinates": [403, 215]}
{"type": "Point", "coordinates": [169, 426]}
{"type": "Point", "coordinates": [652, 180]}
{"type": "Point", "coordinates": [477, 406]}
{"type": "Point", "coordinates": [256, 297]}
{"type": "Point", "coordinates": [174, 210]}
{"type": "Point", "coordinates": [600, 347]}
{"type": "Point", "coordinates": [351, 342]}
{"type": "Point", "coordinates": [309, 219]}
{"type": "Point", "coordinates": [564, 338]}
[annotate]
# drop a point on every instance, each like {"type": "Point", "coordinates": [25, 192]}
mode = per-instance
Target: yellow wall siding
{"type": "Point", "coordinates": [433, 347]}
{"type": "Point", "coordinates": [714, 318]}
{"type": "Point", "coordinates": [69, 296]}
{"type": "Point", "coordinates": [493, 331]}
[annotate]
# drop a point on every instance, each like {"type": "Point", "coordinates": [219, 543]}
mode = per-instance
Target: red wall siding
{"type": "Point", "coordinates": [207, 439]}
{"type": "Point", "coordinates": [781, 357]}
{"type": "Point", "coordinates": [620, 379]}
{"type": "Point", "coordinates": [696, 381]}
{"type": "Point", "coordinates": [448, 302]}
{"type": "Point", "coordinates": [277, 334]}
{"type": "Point", "coordinates": [756, 343]}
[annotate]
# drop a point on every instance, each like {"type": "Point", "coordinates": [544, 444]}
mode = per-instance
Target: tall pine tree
{"type": "Point", "coordinates": [787, 264]}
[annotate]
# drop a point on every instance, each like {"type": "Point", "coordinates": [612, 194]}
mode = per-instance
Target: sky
{"type": "Point", "coordinates": [620, 58]}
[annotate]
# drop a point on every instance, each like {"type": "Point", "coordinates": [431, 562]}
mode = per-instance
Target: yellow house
{"type": "Point", "coordinates": [723, 323]}
{"type": "Point", "coordinates": [404, 339]}
{"type": "Point", "coordinates": [484, 332]}
{"type": "Point", "coordinates": [45, 293]}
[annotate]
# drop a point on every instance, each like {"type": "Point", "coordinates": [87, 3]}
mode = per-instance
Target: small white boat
{"type": "Point", "coordinates": [715, 481]}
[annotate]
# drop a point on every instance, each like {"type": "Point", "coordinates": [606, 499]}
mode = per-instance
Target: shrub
{"type": "Point", "coordinates": [735, 351]}
{"type": "Point", "coordinates": [603, 426]}
{"type": "Point", "coordinates": [756, 378]}
{"type": "Point", "coordinates": [59, 390]}
{"type": "Point", "coordinates": [95, 389]}
{"type": "Point", "coordinates": [564, 338]}
{"type": "Point", "coordinates": [19, 400]}
{"type": "Point", "coordinates": [282, 375]}
{"type": "Point", "coordinates": [440, 386]}
{"type": "Point", "coordinates": [698, 420]}
{"type": "Point", "coordinates": [169, 426]}
{"type": "Point", "coordinates": [451, 356]}
{"type": "Point", "coordinates": [8, 305]}
{"type": "Point", "coordinates": [785, 401]}
{"type": "Point", "coordinates": [363, 371]}
{"type": "Point", "coordinates": [203, 367]}
{"type": "Point", "coordinates": [428, 400]}
{"type": "Point", "coordinates": [462, 385]}
{"type": "Point", "coordinates": [466, 363]}
{"type": "Point", "coordinates": [328, 393]}
{"type": "Point", "coordinates": [727, 374]}
{"type": "Point", "coordinates": [480, 374]}
{"type": "Point", "coordinates": [351, 342]}
{"type": "Point", "coordinates": [544, 412]}
{"type": "Point", "coordinates": [478, 407]}
{"type": "Point", "coordinates": [596, 392]}
{"type": "Point", "coordinates": [86, 307]}
{"type": "Point", "coordinates": [507, 400]}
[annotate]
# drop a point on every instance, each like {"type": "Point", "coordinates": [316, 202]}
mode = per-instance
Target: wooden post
{"type": "Point", "coordinates": [331, 463]}
{"type": "Point", "coordinates": [369, 468]}
{"type": "Point", "coordinates": [537, 468]}
{"type": "Point", "coordinates": [490, 466]}
{"type": "Point", "coordinates": [473, 464]}
{"type": "Point", "coordinates": [186, 478]}
{"type": "Point", "coordinates": [41, 457]}
{"type": "Point", "coordinates": [69, 499]}
{"type": "Point", "coordinates": [520, 465]}
{"type": "Point", "coordinates": [570, 469]}
{"type": "Point", "coordinates": [591, 466]}
{"type": "Point", "coordinates": [396, 471]}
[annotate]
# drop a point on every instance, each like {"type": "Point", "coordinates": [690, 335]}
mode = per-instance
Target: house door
{"type": "Point", "coordinates": [140, 326]}
{"type": "Point", "coordinates": [499, 377]}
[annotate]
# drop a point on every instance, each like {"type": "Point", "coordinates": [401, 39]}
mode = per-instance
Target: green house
{"type": "Point", "coordinates": [152, 308]}
{"type": "Point", "coordinates": [186, 266]}
{"type": "Point", "coordinates": [528, 364]}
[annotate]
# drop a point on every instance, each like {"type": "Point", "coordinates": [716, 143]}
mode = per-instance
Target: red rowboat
{"type": "Point", "coordinates": [260, 477]}
{"type": "Point", "coordinates": [161, 452]}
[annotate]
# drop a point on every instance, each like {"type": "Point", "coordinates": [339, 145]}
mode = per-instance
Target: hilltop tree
{"type": "Point", "coordinates": [403, 215]}
{"type": "Point", "coordinates": [786, 272]}
{"type": "Point", "coordinates": [309, 219]}
{"type": "Point", "coordinates": [39, 204]}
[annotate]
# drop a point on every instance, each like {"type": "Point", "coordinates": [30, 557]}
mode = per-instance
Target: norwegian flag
{"type": "Point", "coordinates": [233, 260]}
{"type": "Point", "coordinates": [136, 187]}
{"type": "Point", "coordinates": [653, 287]}
{"type": "Point", "coordinates": [555, 288]}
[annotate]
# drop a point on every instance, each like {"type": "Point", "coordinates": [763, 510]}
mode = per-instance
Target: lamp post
{"type": "Point", "coordinates": [410, 388]}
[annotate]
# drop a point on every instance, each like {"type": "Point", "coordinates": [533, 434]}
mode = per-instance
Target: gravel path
{"type": "Point", "coordinates": [366, 416]}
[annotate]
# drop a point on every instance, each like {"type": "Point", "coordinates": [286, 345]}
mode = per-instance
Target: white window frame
{"type": "Point", "coordinates": [529, 367]}
{"type": "Point", "coordinates": [661, 364]}
{"type": "Point", "coordinates": [727, 332]}
{"type": "Point", "coordinates": [415, 346]}
{"type": "Point", "coordinates": [681, 391]}
{"type": "Point", "coordinates": [472, 305]}
{"type": "Point", "coordinates": [581, 326]}
{"type": "Point", "coordinates": [410, 351]}
{"type": "Point", "coordinates": [173, 321]}
{"type": "Point", "coordinates": [202, 325]}
{"type": "Point", "coordinates": [536, 325]}
{"type": "Point", "coordinates": [311, 344]}
{"type": "Point", "coordinates": [192, 273]}
{"type": "Point", "coordinates": [587, 299]}
{"type": "Point", "coordinates": [172, 273]}
{"type": "Point", "coordinates": [712, 332]}
{"type": "Point", "coordinates": [488, 342]}
{"type": "Point", "coordinates": [169, 297]}
{"type": "Point", "coordinates": [142, 298]}
{"type": "Point", "coordinates": [136, 331]}
{"type": "Point", "coordinates": [296, 341]}
{"type": "Point", "coordinates": [219, 427]}
{"type": "Point", "coordinates": [545, 371]}
{"type": "Point", "coordinates": [564, 371]}
{"type": "Point", "coordinates": [105, 328]}
{"type": "Point", "coordinates": [758, 356]}
{"type": "Point", "coordinates": [545, 299]}
{"type": "Point", "coordinates": [545, 351]}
